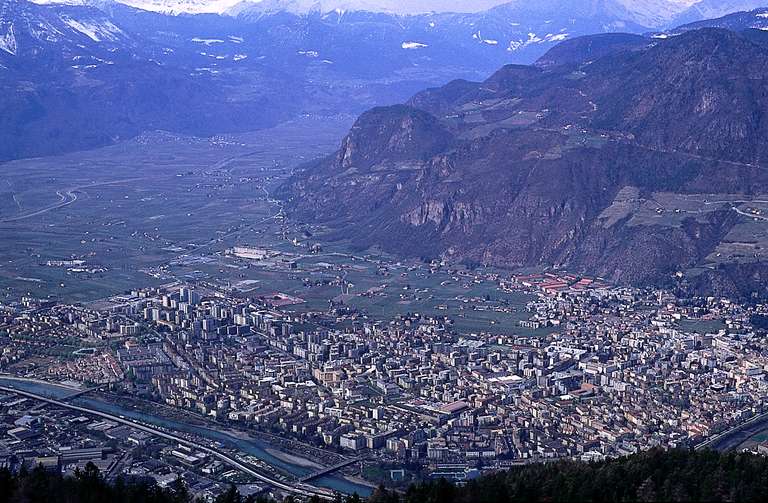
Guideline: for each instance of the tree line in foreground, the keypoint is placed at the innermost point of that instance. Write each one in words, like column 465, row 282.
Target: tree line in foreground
column 656, row 475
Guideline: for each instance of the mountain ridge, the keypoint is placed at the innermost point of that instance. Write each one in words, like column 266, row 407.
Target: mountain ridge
column 584, row 165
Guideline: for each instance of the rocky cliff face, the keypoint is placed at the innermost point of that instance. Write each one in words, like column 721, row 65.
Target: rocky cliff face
column 634, row 159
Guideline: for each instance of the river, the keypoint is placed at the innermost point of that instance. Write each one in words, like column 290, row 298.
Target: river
column 255, row 447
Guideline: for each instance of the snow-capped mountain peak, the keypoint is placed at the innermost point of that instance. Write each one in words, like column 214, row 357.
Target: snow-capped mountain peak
column 173, row 7
column 183, row 6
column 649, row 13
column 655, row 13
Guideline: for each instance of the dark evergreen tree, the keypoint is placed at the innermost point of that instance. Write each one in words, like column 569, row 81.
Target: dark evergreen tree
column 232, row 495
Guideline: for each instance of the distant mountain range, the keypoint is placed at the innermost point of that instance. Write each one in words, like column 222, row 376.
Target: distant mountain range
column 77, row 74
column 83, row 73
column 649, row 13
column 710, row 9
column 638, row 159
column 756, row 19
column 80, row 74
column 306, row 6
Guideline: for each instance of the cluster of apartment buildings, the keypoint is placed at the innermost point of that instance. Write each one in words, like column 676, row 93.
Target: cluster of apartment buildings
column 619, row 370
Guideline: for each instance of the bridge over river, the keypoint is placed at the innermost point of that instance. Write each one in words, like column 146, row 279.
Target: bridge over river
column 329, row 470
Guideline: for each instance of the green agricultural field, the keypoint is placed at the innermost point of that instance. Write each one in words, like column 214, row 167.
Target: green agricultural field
column 138, row 205
column 164, row 208
column 702, row 326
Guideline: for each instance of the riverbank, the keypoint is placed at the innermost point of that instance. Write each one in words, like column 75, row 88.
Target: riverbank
column 293, row 459
column 248, row 445
column 360, row 481
column 281, row 448
column 738, row 437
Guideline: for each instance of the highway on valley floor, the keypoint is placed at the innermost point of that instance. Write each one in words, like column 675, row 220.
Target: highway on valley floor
column 66, row 197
